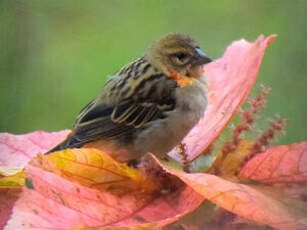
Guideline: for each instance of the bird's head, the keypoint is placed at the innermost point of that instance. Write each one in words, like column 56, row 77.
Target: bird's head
column 178, row 56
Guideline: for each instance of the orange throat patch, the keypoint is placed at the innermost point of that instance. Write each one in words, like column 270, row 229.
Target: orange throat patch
column 182, row 81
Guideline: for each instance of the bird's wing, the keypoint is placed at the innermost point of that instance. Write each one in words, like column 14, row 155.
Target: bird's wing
column 120, row 118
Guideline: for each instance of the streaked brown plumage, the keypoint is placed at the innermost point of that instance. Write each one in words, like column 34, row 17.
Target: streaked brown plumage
column 147, row 106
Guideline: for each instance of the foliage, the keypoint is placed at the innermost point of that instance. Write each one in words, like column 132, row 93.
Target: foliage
column 85, row 189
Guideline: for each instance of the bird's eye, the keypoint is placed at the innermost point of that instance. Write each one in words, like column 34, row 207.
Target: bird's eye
column 180, row 58
column 180, row 55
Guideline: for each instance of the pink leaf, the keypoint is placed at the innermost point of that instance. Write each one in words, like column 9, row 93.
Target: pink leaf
column 17, row 150
column 286, row 163
column 50, row 201
column 230, row 80
column 261, row 204
column 8, row 197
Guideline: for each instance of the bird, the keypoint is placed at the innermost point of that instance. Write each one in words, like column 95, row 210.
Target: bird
column 148, row 106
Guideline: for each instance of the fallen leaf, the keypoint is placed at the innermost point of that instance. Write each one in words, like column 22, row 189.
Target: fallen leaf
column 287, row 163
column 94, row 169
column 9, row 171
column 17, row 150
column 199, row 218
column 259, row 203
column 230, row 81
column 51, row 200
column 8, row 196
column 147, row 226
column 16, row 179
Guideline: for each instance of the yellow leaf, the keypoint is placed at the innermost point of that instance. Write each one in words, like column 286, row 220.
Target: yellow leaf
column 11, row 176
column 93, row 168
column 230, row 164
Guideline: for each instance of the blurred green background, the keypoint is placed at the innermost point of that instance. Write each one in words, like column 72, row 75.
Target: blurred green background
column 56, row 55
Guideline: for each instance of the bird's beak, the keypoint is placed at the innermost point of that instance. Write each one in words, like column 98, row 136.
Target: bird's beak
column 202, row 58
column 196, row 69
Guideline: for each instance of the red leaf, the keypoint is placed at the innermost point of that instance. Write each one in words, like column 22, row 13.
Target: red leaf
column 286, row 163
column 50, row 201
column 7, row 200
column 230, row 80
column 17, row 150
column 262, row 204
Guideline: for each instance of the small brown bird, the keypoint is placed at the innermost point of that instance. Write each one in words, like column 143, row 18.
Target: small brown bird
column 149, row 105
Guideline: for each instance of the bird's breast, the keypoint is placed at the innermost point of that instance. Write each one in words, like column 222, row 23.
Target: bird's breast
column 192, row 100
